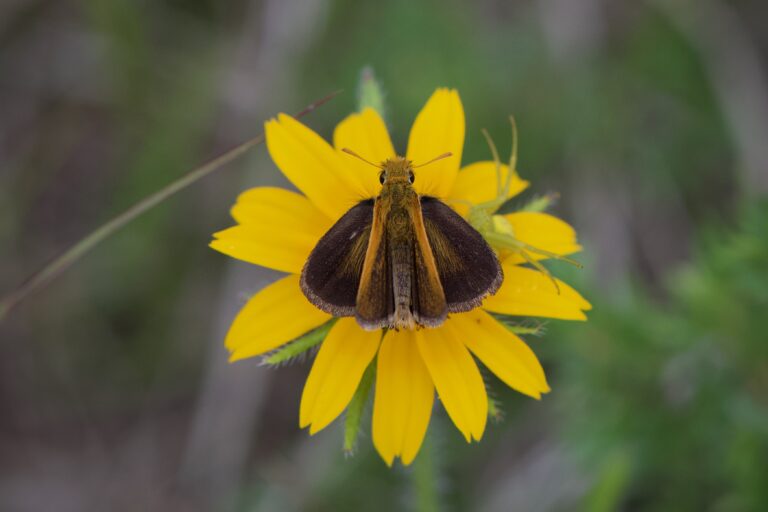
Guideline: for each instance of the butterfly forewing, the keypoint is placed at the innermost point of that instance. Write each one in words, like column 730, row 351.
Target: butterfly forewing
column 375, row 297
column 429, row 304
column 331, row 276
column 469, row 269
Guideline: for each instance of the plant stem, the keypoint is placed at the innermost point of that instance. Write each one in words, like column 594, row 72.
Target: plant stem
column 425, row 478
column 58, row 265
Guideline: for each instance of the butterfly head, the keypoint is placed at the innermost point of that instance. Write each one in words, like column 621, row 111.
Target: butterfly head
column 396, row 170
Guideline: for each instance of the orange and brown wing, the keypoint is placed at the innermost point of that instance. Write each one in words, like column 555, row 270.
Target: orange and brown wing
column 429, row 306
column 331, row 276
column 375, row 306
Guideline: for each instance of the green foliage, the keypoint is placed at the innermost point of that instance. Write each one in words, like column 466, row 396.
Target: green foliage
column 670, row 400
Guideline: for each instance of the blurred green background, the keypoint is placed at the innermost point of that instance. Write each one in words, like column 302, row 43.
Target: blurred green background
column 649, row 118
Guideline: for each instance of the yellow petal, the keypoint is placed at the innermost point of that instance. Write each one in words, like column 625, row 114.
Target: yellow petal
column 365, row 134
column 262, row 204
column 528, row 292
column 439, row 128
column 456, row 378
column 336, row 373
column 477, row 183
column 277, row 314
column 311, row 164
column 542, row 231
column 403, row 401
column 506, row 355
column 278, row 229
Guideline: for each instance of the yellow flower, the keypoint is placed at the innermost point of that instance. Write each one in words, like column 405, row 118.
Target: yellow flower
column 277, row 228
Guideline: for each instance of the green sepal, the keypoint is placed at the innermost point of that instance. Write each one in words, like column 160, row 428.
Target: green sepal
column 299, row 346
column 356, row 407
column 494, row 410
column 370, row 94
column 528, row 327
column 540, row 203
column 536, row 330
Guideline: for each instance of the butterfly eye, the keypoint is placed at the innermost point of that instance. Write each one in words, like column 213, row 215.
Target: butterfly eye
column 411, row 177
column 382, row 177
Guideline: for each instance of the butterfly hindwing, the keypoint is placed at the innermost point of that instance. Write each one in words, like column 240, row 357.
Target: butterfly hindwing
column 331, row 276
column 469, row 269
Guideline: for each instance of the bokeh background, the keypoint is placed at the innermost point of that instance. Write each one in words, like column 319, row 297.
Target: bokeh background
column 650, row 119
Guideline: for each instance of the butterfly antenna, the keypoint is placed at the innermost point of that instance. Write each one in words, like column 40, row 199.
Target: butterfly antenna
column 496, row 160
column 440, row 157
column 350, row 152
